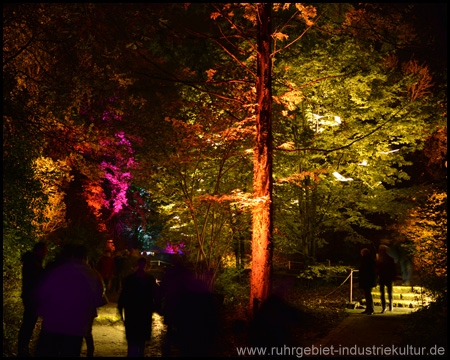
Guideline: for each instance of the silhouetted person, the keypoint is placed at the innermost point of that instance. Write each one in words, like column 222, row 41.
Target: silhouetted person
column 107, row 269
column 68, row 299
column 367, row 278
column 32, row 271
column 386, row 275
column 131, row 259
column 137, row 299
column 190, row 312
column 119, row 261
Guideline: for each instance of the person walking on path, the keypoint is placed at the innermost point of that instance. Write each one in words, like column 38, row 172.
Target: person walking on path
column 32, row 271
column 190, row 313
column 119, row 261
column 385, row 267
column 107, row 269
column 137, row 301
column 68, row 300
column 367, row 279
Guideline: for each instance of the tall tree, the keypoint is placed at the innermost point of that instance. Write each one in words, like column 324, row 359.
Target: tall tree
column 262, row 228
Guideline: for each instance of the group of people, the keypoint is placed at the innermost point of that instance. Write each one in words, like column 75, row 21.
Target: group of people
column 373, row 270
column 67, row 293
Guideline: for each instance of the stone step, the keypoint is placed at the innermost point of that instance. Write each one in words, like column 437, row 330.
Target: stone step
column 404, row 296
column 402, row 289
column 412, row 297
column 400, row 303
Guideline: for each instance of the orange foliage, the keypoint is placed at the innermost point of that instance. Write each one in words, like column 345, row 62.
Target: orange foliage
column 426, row 227
column 422, row 79
column 297, row 178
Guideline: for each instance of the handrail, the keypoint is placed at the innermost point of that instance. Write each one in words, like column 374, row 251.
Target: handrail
column 351, row 283
column 294, row 262
column 159, row 262
column 349, row 276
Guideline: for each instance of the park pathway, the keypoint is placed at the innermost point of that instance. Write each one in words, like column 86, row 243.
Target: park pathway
column 367, row 335
column 357, row 329
column 357, row 332
column 109, row 334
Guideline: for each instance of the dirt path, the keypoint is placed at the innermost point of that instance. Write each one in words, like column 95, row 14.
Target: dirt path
column 109, row 341
column 369, row 333
column 109, row 336
column 356, row 330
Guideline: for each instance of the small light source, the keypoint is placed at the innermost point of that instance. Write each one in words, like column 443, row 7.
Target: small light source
column 340, row 177
column 337, row 121
column 388, row 152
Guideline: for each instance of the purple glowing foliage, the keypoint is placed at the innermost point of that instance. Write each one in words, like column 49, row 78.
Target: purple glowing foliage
column 119, row 183
column 116, row 169
column 174, row 248
column 119, row 152
column 109, row 117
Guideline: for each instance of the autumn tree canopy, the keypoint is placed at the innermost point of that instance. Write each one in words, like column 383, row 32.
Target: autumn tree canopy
column 222, row 126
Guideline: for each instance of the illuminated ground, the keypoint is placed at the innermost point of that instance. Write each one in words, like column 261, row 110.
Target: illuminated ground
column 363, row 330
column 351, row 329
column 109, row 337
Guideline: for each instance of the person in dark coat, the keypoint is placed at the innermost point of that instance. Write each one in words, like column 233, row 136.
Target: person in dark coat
column 386, row 275
column 32, row 271
column 69, row 296
column 137, row 301
column 367, row 278
column 190, row 312
column 119, row 260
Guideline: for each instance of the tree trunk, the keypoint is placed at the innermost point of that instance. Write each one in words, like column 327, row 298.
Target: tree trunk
column 262, row 246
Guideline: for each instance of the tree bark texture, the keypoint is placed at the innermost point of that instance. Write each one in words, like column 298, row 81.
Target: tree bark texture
column 262, row 244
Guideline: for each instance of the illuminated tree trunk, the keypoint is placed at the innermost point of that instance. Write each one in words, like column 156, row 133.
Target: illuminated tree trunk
column 262, row 246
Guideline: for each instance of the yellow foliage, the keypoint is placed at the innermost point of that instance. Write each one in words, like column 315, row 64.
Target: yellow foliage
column 51, row 175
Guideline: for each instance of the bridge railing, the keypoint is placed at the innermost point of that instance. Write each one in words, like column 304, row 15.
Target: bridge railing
column 159, row 262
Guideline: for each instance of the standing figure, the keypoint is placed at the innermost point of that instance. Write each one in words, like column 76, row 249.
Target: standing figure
column 68, row 300
column 190, row 313
column 386, row 275
column 367, row 279
column 137, row 299
column 119, row 261
column 130, row 265
column 32, row 271
column 107, row 269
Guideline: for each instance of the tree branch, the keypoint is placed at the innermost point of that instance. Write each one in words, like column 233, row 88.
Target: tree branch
column 301, row 35
column 171, row 77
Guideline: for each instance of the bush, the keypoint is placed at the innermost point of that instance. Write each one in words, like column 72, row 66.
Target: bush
column 233, row 284
column 323, row 273
column 13, row 248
